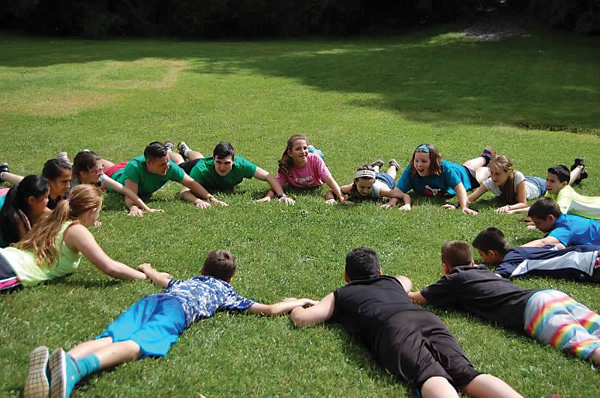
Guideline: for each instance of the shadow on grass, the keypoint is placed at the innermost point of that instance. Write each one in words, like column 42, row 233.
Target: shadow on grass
column 544, row 81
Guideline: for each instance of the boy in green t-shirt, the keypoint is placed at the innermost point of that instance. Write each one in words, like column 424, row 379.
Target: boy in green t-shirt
column 146, row 174
column 222, row 171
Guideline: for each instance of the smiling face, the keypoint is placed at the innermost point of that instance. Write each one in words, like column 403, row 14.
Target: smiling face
column 498, row 175
column 553, row 184
column 223, row 165
column 92, row 176
column 299, row 153
column 364, row 186
column 59, row 186
column 158, row 166
column 422, row 163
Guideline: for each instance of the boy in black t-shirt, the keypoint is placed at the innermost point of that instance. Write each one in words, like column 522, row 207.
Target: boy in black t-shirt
column 411, row 343
column 547, row 315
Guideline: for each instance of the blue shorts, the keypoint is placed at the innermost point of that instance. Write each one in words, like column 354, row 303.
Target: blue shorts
column 386, row 179
column 154, row 323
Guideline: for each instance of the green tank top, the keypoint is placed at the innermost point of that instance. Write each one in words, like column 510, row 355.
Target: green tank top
column 30, row 274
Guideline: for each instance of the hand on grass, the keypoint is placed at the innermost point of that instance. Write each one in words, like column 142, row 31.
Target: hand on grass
column 97, row 224
column 201, row 204
column 263, row 200
column 503, row 210
column 150, row 210
column 449, row 206
column 330, row 201
column 472, row 212
column 287, row 201
column 135, row 211
column 217, row 201
column 406, row 207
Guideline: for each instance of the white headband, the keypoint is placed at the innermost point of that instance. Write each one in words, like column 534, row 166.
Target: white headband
column 364, row 174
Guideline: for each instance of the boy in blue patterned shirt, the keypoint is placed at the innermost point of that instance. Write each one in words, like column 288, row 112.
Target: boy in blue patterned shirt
column 149, row 327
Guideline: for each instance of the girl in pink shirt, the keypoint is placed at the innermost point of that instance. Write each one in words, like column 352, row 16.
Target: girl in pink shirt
column 302, row 169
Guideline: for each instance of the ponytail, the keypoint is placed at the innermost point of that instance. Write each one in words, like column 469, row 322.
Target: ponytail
column 15, row 211
column 42, row 238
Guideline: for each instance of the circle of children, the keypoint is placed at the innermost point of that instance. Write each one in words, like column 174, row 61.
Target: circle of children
column 44, row 234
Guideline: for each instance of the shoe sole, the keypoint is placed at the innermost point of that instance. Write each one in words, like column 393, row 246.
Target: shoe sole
column 36, row 384
column 58, row 374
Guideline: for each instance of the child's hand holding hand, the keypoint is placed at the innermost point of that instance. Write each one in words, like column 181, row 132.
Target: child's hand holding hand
column 144, row 267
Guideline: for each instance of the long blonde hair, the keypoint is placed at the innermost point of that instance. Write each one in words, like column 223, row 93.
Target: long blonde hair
column 509, row 190
column 286, row 163
column 41, row 239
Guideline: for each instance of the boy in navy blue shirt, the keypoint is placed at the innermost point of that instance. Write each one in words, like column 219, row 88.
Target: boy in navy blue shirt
column 149, row 327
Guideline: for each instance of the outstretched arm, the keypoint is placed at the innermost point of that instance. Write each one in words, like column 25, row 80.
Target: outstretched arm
column 159, row 278
column 319, row 313
column 335, row 188
column 417, row 297
column 394, row 195
column 461, row 194
column 548, row 240
column 477, row 194
column 79, row 239
column 195, row 192
column 134, row 210
column 276, row 189
column 282, row 307
column 521, row 200
column 132, row 196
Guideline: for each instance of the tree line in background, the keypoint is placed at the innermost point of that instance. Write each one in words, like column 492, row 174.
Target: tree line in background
column 273, row 18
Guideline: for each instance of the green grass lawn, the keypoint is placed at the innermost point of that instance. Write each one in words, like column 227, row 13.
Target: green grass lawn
column 358, row 100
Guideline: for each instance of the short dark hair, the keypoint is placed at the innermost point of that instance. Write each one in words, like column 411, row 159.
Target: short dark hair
column 456, row 252
column 491, row 239
column 543, row 208
column 155, row 150
column 220, row 264
column 84, row 161
column 54, row 168
column 362, row 263
column 561, row 172
column 223, row 149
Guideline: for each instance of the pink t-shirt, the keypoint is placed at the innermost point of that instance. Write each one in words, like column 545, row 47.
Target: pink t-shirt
column 312, row 175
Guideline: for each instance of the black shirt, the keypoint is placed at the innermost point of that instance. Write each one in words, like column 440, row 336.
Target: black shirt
column 480, row 291
column 364, row 306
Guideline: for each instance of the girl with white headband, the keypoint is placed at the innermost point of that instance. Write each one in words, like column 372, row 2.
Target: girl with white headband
column 369, row 183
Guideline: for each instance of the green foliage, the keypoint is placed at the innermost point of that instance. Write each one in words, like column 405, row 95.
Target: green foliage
column 358, row 100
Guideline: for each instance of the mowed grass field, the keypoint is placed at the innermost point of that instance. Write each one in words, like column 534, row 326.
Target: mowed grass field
column 534, row 98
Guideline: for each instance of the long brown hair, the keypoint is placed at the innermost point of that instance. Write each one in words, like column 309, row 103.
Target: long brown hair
column 42, row 238
column 509, row 190
column 435, row 159
column 286, row 162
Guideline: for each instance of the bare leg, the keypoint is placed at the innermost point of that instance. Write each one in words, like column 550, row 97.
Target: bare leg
column 392, row 172
column 175, row 157
column 193, row 155
column 595, row 357
column 488, row 386
column 11, row 178
column 117, row 353
column 477, row 164
column 89, row 347
column 438, row 386
column 376, row 169
column 575, row 173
